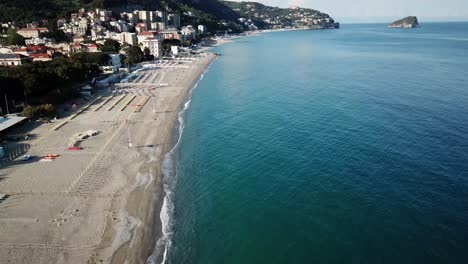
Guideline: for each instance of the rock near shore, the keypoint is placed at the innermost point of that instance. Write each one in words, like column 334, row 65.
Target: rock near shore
column 407, row 22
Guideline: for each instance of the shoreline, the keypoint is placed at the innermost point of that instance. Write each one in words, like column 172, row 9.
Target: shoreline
column 153, row 203
column 158, row 255
column 170, row 177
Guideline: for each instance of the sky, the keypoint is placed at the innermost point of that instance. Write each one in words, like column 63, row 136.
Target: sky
column 382, row 10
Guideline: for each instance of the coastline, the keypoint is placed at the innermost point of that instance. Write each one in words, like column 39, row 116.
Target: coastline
column 147, row 206
column 101, row 204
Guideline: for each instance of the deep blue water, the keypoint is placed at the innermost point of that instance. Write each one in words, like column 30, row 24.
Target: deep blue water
column 340, row 146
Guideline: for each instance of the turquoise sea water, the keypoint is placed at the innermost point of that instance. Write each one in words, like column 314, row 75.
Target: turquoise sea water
column 343, row 146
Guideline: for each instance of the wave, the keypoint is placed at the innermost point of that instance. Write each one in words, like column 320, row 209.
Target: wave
column 164, row 243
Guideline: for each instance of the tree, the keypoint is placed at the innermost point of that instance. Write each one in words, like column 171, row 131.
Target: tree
column 135, row 55
column 45, row 110
column 123, row 59
column 147, row 53
column 111, row 45
column 167, row 43
column 186, row 43
column 14, row 38
column 54, row 31
column 28, row 112
column 99, row 58
column 173, row 42
column 49, row 82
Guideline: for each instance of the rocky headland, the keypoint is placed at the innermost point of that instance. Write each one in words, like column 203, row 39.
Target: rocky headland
column 407, row 22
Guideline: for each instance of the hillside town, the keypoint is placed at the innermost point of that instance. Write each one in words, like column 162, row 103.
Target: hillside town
column 87, row 31
column 154, row 32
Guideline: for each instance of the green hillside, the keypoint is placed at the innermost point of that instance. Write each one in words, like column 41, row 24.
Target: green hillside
column 282, row 17
column 25, row 11
column 212, row 7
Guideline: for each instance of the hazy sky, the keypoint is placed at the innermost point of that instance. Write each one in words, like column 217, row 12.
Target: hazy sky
column 373, row 9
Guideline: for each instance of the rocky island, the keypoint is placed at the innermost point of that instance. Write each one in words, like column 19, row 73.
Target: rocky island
column 407, row 22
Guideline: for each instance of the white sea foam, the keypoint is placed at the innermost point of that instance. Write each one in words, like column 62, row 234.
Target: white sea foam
column 163, row 245
column 150, row 179
column 125, row 229
column 142, row 180
column 152, row 153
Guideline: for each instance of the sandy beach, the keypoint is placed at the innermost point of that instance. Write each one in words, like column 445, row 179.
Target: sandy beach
column 100, row 204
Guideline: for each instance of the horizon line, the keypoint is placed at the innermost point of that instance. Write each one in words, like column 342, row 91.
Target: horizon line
column 364, row 20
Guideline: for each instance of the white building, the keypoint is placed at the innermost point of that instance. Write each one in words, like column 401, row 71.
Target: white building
column 38, row 41
column 175, row 50
column 161, row 16
column 158, row 26
column 104, row 15
column 13, row 60
column 143, row 15
column 79, row 30
column 124, row 38
column 188, row 32
column 97, row 32
column 119, row 26
column 5, row 50
column 129, row 38
column 130, row 17
column 29, row 32
column 202, row 29
column 154, row 46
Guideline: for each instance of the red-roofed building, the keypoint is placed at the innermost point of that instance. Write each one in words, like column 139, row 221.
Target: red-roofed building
column 147, row 33
column 92, row 47
column 40, row 57
column 79, row 39
column 171, row 34
column 77, row 47
column 37, row 48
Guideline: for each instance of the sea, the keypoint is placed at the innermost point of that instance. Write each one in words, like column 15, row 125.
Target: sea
column 332, row 146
